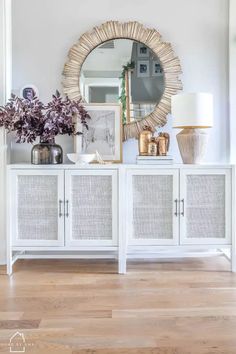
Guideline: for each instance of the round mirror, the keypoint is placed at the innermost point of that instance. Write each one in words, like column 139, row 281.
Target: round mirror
column 123, row 71
column 126, row 63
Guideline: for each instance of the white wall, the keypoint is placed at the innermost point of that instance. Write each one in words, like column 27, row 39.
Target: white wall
column 2, row 135
column 5, row 88
column 43, row 32
column 232, row 47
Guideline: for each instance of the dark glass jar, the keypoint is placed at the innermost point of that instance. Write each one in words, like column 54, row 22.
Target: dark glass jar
column 46, row 153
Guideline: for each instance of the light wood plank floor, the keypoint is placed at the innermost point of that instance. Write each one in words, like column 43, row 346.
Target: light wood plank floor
column 176, row 307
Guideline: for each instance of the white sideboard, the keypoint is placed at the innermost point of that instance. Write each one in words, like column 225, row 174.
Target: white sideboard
column 119, row 211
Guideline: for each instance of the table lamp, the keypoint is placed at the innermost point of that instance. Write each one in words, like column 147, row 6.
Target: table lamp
column 192, row 112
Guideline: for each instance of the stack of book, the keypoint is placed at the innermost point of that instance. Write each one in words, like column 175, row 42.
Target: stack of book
column 154, row 160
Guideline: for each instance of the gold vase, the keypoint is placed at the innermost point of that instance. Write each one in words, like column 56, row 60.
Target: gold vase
column 144, row 138
column 162, row 150
column 152, row 147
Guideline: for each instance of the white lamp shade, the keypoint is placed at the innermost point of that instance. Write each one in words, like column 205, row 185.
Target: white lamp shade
column 192, row 110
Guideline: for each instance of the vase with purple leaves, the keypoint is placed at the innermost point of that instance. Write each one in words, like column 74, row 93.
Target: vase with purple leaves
column 31, row 119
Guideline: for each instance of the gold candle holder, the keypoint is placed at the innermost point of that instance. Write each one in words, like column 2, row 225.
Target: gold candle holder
column 163, row 142
column 152, row 147
column 144, row 138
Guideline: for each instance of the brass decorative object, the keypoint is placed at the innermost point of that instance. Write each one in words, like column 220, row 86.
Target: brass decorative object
column 162, row 151
column 167, row 140
column 135, row 31
column 152, row 147
column 100, row 159
column 144, row 139
column 163, row 143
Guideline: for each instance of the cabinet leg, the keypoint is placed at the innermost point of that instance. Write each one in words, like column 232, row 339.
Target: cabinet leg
column 233, row 260
column 122, row 222
column 9, row 266
column 9, row 257
column 122, row 264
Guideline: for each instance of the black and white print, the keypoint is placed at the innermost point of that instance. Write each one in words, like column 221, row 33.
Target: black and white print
column 104, row 133
column 156, row 68
column 143, row 68
column 143, row 51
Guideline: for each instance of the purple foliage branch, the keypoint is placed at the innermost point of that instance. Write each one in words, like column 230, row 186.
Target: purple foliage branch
column 30, row 119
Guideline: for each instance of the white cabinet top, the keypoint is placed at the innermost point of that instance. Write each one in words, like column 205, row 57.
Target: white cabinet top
column 115, row 166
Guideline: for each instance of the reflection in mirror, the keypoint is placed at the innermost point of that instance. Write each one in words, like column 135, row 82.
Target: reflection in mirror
column 124, row 71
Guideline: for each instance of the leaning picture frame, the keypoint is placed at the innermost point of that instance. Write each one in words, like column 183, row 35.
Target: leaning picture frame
column 29, row 92
column 143, row 51
column 156, row 68
column 104, row 133
column 143, row 69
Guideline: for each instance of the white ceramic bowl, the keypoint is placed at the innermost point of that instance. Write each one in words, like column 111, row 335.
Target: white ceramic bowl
column 81, row 158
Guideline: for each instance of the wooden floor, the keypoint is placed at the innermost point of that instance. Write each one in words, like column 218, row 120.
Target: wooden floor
column 181, row 307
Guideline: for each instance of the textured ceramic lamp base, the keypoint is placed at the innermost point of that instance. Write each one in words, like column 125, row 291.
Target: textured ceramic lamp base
column 192, row 145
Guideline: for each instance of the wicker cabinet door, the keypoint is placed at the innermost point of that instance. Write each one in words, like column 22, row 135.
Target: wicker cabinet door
column 91, row 208
column 205, row 213
column 153, row 207
column 36, row 208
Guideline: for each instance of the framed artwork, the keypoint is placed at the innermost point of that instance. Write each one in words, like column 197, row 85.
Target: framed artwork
column 143, row 68
column 156, row 68
column 29, row 91
column 105, row 132
column 142, row 51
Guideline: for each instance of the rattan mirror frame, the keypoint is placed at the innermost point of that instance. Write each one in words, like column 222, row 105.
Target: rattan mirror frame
column 135, row 31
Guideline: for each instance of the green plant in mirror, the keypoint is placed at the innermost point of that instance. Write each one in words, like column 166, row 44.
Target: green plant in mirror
column 123, row 97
